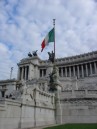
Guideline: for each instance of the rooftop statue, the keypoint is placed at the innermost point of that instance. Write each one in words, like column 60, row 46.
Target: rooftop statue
column 35, row 53
column 51, row 56
column 29, row 54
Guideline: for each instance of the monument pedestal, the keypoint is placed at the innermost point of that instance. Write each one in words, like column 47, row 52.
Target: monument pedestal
column 58, row 105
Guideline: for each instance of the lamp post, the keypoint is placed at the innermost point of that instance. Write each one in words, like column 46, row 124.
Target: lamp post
column 11, row 72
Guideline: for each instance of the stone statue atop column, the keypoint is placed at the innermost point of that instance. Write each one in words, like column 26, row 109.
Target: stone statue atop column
column 51, row 56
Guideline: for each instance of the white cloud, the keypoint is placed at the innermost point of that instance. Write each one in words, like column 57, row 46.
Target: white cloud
column 24, row 24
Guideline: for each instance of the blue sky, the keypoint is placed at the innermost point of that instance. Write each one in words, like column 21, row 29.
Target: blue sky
column 25, row 23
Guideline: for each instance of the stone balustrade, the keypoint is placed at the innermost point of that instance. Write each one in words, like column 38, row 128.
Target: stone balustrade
column 78, row 93
column 43, row 96
column 92, row 92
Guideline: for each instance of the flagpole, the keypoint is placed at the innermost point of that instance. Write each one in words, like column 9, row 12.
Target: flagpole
column 54, row 37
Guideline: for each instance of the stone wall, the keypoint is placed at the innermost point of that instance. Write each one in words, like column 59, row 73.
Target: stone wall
column 89, row 83
column 77, row 107
column 10, row 112
column 24, row 113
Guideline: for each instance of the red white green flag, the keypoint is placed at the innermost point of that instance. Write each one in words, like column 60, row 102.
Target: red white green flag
column 49, row 38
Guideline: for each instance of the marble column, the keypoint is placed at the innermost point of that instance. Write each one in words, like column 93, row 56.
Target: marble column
column 61, row 71
column 22, row 73
column 74, row 71
column 25, row 72
column 86, row 69
column 95, row 67
column 78, row 71
column 82, row 70
column 19, row 74
column 29, row 75
column 70, row 71
column 90, row 68
column 66, row 71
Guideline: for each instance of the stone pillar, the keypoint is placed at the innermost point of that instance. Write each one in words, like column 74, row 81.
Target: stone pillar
column 86, row 70
column 70, row 71
column 61, row 71
column 37, row 72
column 90, row 68
column 19, row 74
column 66, row 71
column 29, row 74
column 82, row 70
column 74, row 70
column 22, row 73
column 25, row 72
column 78, row 71
column 59, row 109
column 95, row 67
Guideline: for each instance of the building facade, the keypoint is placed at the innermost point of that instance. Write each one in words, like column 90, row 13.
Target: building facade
column 76, row 72
column 27, row 102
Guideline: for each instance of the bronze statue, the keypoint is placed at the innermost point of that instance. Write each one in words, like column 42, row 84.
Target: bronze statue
column 51, row 78
column 51, row 56
column 29, row 54
column 35, row 53
column 53, row 82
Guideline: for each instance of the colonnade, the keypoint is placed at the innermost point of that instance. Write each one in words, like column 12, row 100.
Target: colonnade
column 79, row 70
column 23, row 72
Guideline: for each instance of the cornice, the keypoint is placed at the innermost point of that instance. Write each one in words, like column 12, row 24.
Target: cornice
column 73, row 59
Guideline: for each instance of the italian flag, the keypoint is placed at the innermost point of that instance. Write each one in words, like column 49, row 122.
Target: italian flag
column 49, row 38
